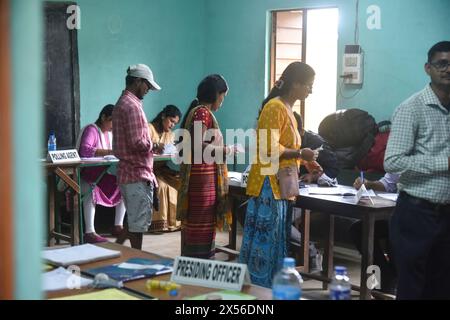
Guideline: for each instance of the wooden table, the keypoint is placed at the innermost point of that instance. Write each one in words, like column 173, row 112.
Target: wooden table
column 382, row 209
column 139, row 285
column 70, row 173
column 333, row 206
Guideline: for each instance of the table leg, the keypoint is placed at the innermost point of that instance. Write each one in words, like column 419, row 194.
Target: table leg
column 75, row 225
column 329, row 248
column 367, row 253
column 51, row 210
column 304, row 231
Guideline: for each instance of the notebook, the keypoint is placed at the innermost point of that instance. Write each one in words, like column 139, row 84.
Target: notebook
column 134, row 268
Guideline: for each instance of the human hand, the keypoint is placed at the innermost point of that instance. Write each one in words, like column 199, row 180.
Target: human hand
column 238, row 148
column 309, row 155
column 358, row 183
column 158, row 148
column 234, row 149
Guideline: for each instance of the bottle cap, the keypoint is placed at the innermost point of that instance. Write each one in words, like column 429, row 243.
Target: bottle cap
column 289, row 262
column 340, row 269
column 173, row 292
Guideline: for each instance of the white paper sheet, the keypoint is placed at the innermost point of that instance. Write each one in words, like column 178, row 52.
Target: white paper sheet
column 388, row 196
column 61, row 279
column 136, row 266
column 78, row 254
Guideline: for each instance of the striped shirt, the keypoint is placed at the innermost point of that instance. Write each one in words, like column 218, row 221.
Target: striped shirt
column 419, row 146
column 132, row 143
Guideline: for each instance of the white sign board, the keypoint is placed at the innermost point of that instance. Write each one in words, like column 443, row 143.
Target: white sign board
column 362, row 192
column 210, row 273
column 64, row 156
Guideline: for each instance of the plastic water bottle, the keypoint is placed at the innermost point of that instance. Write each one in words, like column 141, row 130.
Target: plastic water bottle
column 340, row 287
column 51, row 144
column 287, row 282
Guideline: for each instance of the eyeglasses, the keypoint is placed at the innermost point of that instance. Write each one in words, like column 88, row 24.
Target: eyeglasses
column 147, row 83
column 441, row 65
column 309, row 86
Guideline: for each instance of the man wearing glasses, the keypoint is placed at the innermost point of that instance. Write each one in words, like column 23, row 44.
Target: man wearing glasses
column 418, row 149
column 133, row 146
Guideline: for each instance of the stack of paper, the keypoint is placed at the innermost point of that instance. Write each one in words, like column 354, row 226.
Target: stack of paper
column 62, row 279
column 78, row 254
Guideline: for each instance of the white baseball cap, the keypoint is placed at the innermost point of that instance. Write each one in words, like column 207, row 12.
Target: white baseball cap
column 143, row 71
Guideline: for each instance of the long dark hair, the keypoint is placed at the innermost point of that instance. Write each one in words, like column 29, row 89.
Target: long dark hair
column 207, row 92
column 296, row 72
column 106, row 111
column 169, row 111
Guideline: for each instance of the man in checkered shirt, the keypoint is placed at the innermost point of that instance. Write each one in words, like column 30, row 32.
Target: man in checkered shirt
column 418, row 149
column 133, row 146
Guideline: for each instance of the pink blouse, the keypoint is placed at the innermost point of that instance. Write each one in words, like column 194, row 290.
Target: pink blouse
column 106, row 192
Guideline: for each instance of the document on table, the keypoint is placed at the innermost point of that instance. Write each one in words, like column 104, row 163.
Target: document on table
column 339, row 191
column 107, row 294
column 78, row 254
column 388, row 196
column 235, row 178
column 61, row 279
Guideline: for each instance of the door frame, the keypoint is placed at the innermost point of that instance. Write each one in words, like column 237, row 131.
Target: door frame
column 6, row 200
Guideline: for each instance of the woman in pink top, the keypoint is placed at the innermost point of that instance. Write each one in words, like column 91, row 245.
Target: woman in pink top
column 96, row 141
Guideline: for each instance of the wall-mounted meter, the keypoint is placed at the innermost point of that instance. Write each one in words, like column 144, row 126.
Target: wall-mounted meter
column 352, row 72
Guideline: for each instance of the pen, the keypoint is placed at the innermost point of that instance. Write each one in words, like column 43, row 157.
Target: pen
column 362, row 177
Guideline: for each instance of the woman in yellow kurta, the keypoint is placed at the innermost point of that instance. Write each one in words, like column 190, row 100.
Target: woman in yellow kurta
column 165, row 219
column 268, row 218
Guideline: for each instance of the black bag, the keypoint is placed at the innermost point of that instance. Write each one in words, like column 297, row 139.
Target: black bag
column 349, row 127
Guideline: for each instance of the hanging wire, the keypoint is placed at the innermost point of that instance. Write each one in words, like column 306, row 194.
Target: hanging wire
column 356, row 39
column 347, row 97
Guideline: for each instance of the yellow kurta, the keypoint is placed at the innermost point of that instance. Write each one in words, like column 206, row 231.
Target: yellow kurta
column 166, row 218
column 165, row 138
column 276, row 120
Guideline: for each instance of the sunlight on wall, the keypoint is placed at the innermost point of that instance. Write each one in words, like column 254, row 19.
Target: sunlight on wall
column 321, row 54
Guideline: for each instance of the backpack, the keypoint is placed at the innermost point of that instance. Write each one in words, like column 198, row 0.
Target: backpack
column 349, row 127
column 374, row 159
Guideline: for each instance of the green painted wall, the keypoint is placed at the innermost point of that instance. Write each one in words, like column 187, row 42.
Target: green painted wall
column 29, row 180
column 168, row 35
column 394, row 56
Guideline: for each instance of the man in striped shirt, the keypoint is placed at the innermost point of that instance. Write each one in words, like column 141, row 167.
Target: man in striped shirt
column 418, row 149
column 133, row 146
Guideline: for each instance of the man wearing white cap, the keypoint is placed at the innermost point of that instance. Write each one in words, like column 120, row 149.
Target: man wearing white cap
column 133, row 146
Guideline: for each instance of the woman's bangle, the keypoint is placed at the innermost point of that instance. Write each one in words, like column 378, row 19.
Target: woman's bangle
column 300, row 153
